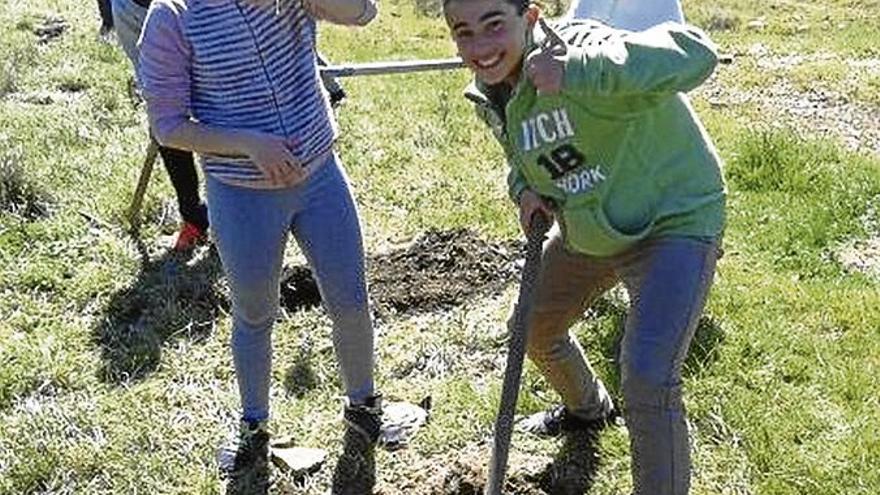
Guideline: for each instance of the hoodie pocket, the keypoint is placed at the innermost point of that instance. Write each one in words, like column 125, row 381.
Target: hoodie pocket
column 587, row 230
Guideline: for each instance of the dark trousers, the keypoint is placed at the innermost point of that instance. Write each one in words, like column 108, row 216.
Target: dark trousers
column 185, row 180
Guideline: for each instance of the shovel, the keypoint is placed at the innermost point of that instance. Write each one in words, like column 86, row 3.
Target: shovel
column 515, row 354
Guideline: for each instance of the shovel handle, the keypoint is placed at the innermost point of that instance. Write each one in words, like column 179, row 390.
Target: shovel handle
column 137, row 200
column 515, row 354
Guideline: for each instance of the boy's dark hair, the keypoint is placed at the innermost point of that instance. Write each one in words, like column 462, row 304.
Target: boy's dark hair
column 520, row 5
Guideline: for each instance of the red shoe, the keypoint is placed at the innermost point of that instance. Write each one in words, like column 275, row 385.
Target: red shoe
column 189, row 237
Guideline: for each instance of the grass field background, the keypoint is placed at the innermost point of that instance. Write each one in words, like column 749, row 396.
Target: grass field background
column 783, row 384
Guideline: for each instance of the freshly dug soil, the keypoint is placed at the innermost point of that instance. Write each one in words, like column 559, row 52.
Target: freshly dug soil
column 439, row 270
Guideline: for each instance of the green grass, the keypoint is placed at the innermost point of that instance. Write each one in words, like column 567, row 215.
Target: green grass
column 825, row 45
column 782, row 381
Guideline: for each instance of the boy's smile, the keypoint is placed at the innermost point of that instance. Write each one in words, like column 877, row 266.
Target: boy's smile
column 490, row 37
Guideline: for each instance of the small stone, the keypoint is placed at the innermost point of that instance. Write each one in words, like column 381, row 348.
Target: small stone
column 758, row 50
column 298, row 461
column 757, row 24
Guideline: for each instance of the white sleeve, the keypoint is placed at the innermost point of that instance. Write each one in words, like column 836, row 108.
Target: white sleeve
column 632, row 15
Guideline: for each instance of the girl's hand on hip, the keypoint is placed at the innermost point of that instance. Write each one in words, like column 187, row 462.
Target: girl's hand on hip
column 529, row 204
column 272, row 156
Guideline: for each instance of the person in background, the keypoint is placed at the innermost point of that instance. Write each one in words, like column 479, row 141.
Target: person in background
column 106, row 13
column 633, row 15
column 128, row 19
column 127, row 16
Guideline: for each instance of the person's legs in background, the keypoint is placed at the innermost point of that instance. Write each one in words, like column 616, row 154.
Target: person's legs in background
column 193, row 211
column 106, row 12
column 128, row 18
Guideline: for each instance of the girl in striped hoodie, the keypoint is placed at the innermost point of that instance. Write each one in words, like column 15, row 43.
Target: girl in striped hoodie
column 236, row 82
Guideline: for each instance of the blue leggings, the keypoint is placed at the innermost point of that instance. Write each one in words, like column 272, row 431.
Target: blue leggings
column 251, row 228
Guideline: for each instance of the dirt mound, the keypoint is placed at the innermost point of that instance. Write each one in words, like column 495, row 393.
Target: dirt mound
column 439, row 270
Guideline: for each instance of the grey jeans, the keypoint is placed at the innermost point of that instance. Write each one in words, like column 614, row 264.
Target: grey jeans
column 128, row 19
column 668, row 280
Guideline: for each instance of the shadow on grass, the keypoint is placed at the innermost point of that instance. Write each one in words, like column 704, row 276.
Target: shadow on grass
column 179, row 295
column 176, row 295
column 300, row 378
column 574, row 465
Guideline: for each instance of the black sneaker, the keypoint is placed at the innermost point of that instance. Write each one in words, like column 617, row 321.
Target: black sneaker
column 245, row 462
column 355, row 472
column 557, row 420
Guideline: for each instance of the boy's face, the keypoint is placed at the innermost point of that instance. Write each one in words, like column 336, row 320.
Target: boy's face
column 490, row 36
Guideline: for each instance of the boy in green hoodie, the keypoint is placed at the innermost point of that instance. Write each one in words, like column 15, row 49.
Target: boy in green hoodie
column 599, row 136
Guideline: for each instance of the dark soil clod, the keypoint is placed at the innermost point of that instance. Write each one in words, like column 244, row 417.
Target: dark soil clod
column 299, row 289
column 50, row 28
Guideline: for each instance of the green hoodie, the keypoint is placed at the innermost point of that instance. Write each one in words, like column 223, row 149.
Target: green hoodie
column 619, row 151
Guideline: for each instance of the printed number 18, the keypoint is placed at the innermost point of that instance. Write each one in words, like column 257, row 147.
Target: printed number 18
column 562, row 160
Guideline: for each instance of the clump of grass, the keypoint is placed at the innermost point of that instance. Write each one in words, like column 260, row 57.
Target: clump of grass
column 782, row 160
column 722, row 20
column 17, row 55
column 809, row 194
column 429, row 8
column 8, row 83
column 73, row 85
column 19, row 193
